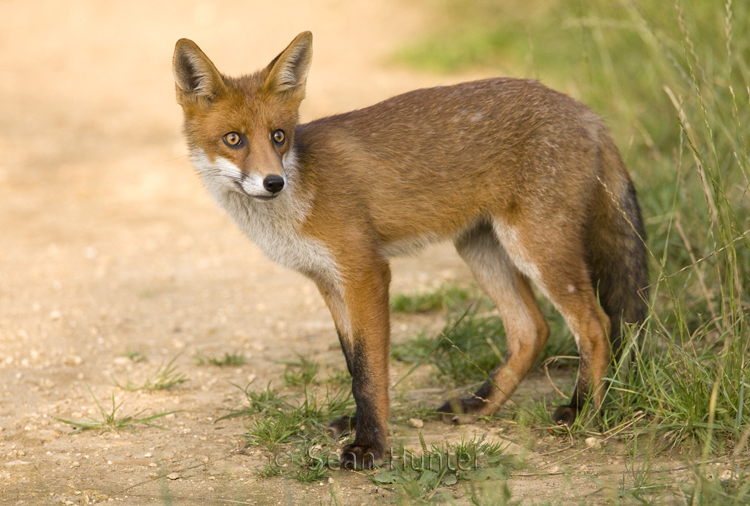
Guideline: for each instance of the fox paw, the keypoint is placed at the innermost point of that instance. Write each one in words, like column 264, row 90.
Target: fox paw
column 360, row 457
column 342, row 426
column 460, row 411
column 565, row 415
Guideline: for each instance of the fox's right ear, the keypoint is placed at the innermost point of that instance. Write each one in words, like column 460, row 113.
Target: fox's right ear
column 197, row 79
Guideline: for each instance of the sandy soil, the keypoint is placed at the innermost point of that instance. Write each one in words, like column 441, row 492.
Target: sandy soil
column 109, row 245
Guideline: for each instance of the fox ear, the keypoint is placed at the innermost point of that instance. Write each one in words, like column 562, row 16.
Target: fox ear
column 288, row 71
column 194, row 74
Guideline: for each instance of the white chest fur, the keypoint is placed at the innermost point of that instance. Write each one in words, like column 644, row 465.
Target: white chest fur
column 273, row 225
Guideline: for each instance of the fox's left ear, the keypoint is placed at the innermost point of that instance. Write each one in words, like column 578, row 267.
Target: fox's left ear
column 287, row 73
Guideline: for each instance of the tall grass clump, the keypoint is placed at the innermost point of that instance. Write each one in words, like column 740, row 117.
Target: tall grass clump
column 692, row 381
column 671, row 80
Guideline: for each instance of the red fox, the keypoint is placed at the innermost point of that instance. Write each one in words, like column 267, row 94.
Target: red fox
column 524, row 180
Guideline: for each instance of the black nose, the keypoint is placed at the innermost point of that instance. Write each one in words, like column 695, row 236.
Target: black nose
column 273, row 183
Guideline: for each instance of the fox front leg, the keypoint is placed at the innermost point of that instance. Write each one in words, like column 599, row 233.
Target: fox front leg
column 361, row 313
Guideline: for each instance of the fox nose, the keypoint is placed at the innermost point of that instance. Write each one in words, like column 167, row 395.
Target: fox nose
column 273, row 183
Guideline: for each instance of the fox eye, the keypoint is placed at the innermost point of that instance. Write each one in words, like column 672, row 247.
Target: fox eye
column 279, row 137
column 233, row 140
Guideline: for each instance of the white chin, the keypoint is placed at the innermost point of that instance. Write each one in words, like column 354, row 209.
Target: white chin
column 263, row 198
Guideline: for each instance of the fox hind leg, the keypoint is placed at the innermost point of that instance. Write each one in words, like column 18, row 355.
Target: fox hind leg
column 555, row 262
column 525, row 327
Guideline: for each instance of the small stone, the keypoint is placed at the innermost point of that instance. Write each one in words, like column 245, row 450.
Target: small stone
column 415, row 423
column 152, row 464
column 73, row 361
column 726, row 475
column 75, row 464
column 554, row 469
column 592, row 442
column 173, row 476
column 330, row 479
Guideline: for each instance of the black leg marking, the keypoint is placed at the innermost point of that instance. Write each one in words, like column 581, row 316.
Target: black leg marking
column 369, row 442
column 462, row 411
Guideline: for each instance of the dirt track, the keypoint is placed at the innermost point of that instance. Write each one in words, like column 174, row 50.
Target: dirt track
column 109, row 244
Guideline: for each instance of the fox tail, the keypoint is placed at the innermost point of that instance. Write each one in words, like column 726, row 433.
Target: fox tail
column 616, row 250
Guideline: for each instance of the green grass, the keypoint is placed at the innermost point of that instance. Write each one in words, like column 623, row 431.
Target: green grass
column 233, row 359
column 301, row 372
column 112, row 419
column 292, row 427
column 443, row 297
column 135, row 356
column 425, row 476
column 671, row 80
column 165, row 377
column 263, row 401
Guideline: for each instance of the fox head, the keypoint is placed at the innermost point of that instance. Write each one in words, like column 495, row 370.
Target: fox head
column 240, row 131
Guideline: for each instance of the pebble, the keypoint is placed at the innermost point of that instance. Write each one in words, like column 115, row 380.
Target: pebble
column 173, row 476
column 593, row 442
column 73, row 361
column 415, row 423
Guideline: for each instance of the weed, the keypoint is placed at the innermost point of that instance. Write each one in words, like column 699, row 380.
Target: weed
column 228, row 359
column 110, row 420
column 427, row 476
column 295, row 432
column 300, row 373
column 312, row 468
column 135, row 356
column 266, row 400
column 165, row 378
column 275, row 429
